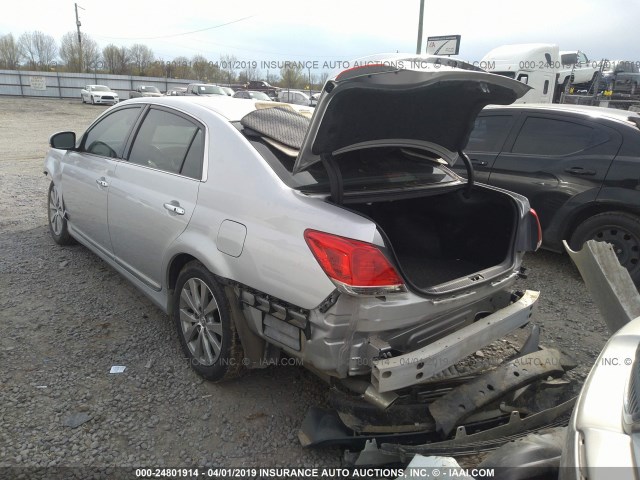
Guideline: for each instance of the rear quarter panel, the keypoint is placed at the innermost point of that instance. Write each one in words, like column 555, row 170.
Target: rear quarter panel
column 275, row 258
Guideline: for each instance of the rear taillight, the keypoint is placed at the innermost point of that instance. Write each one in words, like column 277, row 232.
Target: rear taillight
column 537, row 228
column 530, row 233
column 358, row 267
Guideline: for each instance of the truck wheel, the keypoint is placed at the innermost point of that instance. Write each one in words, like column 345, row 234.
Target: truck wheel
column 621, row 230
column 203, row 320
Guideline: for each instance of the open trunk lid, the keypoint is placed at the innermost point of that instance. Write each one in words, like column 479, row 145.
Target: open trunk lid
column 420, row 103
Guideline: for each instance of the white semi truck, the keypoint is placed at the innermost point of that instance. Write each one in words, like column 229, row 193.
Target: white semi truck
column 543, row 67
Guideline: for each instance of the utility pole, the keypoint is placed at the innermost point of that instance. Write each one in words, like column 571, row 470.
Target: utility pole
column 78, row 24
column 419, row 45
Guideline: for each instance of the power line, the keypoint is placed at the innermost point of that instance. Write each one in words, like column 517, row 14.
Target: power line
column 179, row 34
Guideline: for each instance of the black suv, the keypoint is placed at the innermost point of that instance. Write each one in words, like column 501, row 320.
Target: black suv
column 578, row 166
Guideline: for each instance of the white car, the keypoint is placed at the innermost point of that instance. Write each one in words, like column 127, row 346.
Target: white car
column 295, row 97
column 98, row 94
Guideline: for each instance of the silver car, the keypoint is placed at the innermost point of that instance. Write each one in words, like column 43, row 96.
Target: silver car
column 343, row 240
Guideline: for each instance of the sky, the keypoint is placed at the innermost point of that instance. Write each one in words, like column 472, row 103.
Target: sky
column 331, row 31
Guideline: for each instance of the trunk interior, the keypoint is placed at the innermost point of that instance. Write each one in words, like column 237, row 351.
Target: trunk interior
column 441, row 238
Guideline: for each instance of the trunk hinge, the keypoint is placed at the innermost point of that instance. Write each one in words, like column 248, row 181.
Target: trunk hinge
column 335, row 177
column 470, row 173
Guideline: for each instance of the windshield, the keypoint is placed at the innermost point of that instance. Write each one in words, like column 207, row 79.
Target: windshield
column 259, row 96
column 150, row 89
column 100, row 88
column 210, row 90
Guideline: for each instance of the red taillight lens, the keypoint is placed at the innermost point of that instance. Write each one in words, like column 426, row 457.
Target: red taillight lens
column 352, row 262
column 535, row 215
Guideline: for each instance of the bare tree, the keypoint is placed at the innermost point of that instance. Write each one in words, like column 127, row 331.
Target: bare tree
column 324, row 76
column 78, row 60
column 38, row 49
column 272, row 78
column 227, row 65
column 141, row 58
column 10, row 55
column 292, row 76
column 181, row 68
column 116, row 59
column 90, row 53
column 251, row 73
column 314, row 82
column 199, row 65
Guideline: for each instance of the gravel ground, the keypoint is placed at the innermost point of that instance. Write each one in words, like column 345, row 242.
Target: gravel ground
column 66, row 318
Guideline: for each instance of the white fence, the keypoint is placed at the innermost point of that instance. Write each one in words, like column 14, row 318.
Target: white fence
column 68, row 85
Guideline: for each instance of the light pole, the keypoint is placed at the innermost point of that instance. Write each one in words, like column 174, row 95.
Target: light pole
column 419, row 45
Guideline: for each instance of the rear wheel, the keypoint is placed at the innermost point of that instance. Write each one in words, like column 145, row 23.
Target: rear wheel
column 203, row 320
column 621, row 230
column 57, row 221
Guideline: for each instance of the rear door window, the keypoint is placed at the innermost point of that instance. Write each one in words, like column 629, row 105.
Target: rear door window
column 169, row 142
column 546, row 136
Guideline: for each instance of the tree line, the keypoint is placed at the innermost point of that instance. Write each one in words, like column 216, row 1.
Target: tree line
column 41, row 52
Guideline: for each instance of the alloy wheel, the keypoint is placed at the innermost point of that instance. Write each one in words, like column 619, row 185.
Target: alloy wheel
column 56, row 212
column 200, row 321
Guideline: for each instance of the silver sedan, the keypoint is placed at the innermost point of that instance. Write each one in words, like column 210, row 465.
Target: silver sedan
column 343, row 240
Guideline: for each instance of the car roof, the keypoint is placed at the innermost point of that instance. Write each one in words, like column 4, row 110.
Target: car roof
column 233, row 109
column 615, row 114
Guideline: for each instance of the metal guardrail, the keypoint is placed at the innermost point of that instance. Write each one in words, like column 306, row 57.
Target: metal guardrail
column 68, row 85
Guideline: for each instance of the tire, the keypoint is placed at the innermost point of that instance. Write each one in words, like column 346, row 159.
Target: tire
column 620, row 229
column 93, row 101
column 55, row 213
column 207, row 335
column 82, row 98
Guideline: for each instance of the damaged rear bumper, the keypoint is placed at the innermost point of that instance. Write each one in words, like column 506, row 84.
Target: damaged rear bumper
column 402, row 371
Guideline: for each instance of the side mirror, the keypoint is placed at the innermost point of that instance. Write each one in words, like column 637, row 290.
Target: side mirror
column 63, row 140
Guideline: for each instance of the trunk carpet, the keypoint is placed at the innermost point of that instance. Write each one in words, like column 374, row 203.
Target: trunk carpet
column 428, row 272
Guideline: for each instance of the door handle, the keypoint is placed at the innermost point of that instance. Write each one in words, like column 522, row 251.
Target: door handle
column 479, row 163
column 579, row 171
column 178, row 210
column 102, row 182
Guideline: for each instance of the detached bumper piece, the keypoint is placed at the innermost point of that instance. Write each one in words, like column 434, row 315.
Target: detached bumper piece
column 414, row 367
column 467, row 414
column 458, row 404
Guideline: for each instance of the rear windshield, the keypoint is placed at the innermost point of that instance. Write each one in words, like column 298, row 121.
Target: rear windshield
column 372, row 169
